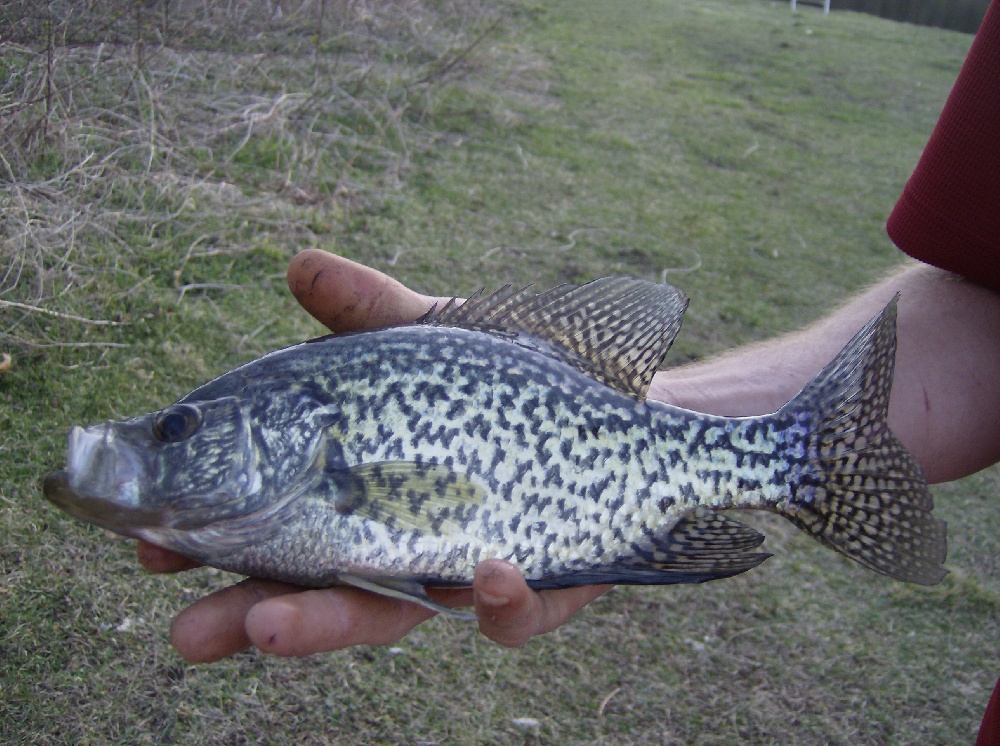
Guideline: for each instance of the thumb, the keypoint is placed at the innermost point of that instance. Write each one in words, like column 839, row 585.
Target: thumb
column 510, row 613
column 347, row 296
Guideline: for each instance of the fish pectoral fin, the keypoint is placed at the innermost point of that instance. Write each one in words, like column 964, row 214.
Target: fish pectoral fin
column 702, row 546
column 428, row 498
column 615, row 329
column 404, row 590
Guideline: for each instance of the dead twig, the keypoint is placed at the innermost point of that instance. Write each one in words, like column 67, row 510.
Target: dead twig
column 608, row 698
column 446, row 66
column 68, row 316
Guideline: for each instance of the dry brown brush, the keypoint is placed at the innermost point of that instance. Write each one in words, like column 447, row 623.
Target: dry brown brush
column 139, row 137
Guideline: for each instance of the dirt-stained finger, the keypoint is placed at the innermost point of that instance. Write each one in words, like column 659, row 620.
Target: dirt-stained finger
column 347, row 296
column 510, row 613
column 215, row 626
column 330, row 619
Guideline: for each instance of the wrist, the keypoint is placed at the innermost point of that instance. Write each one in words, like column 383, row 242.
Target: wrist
column 721, row 388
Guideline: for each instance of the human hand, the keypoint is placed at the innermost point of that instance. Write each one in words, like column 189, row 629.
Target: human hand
column 285, row 620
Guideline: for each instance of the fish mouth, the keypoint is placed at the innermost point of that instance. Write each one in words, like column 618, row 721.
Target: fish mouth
column 105, row 512
column 100, row 483
column 110, row 482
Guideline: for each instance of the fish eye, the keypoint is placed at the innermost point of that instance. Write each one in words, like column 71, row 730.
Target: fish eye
column 176, row 423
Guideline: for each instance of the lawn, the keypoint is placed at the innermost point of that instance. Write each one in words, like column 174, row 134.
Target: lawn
column 161, row 163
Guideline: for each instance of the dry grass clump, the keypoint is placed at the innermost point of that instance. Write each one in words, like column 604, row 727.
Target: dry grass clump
column 138, row 137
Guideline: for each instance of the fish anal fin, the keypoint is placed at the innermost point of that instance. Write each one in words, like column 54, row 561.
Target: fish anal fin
column 706, row 542
column 702, row 546
column 707, row 531
column 616, row 329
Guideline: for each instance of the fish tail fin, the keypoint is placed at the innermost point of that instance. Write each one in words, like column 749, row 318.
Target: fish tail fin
column 860, row 491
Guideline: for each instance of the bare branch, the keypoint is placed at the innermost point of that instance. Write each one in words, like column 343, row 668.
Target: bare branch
column 68, row 316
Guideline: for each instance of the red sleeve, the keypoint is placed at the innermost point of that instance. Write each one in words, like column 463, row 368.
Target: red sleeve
column 949, row 213
column 989, row 732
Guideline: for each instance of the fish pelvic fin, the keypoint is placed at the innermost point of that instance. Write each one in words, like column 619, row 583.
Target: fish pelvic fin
column 403, row 590
column 860, row 492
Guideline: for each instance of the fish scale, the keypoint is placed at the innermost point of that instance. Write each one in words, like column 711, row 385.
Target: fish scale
column 514, row 426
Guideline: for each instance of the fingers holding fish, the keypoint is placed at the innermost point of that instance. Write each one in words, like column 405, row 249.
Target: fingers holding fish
column 347, row 296
column 159, row 560
column 214, row 627
column 283, row 620
column 319, row 621
column 510, row 613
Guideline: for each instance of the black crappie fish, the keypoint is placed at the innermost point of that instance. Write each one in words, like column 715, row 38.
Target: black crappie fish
column 516, row 426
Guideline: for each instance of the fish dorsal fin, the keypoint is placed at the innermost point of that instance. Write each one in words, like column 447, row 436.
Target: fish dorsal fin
column 616, row 329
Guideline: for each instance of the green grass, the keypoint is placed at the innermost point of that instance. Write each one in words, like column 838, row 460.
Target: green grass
column 746, row 153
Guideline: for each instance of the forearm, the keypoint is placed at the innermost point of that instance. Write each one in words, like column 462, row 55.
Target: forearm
column 945, row 404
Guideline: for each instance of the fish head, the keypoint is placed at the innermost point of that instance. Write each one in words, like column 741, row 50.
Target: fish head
column 163, row 475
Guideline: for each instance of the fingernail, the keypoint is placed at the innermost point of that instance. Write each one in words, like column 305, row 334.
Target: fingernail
column 488, row 599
